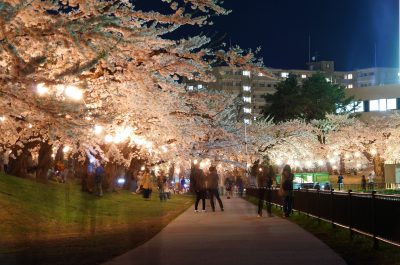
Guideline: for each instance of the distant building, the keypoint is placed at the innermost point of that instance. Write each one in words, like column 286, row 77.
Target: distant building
column 365, row 84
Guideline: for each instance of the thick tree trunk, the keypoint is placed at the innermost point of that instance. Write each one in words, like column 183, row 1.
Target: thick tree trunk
column 44, row 161
column 18, row 166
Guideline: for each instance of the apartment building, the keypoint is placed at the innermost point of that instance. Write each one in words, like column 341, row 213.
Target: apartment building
column 365, row 84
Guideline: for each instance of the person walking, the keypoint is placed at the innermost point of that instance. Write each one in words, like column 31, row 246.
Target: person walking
column 371, row 181
column 262, row 185
column 340, row 181
column 199, row 187
column 286, row 190
column 363, row 183
column 213, row 180
column 270, row 182
column 147, row 184
column 98, row 179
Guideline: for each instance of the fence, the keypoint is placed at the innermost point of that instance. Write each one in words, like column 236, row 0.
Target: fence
column 377, row 216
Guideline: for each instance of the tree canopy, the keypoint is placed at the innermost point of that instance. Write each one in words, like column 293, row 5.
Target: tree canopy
column 314, row 98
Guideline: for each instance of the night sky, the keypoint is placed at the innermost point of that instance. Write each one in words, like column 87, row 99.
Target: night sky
column 345, row 31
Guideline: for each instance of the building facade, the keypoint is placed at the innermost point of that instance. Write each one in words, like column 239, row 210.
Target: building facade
column 370, row 86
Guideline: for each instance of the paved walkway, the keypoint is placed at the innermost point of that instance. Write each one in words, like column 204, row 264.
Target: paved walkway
column 235, row 236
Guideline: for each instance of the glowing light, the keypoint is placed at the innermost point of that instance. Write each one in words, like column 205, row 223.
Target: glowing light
column 357, row 154
column 142, row 168
column 88, row 118
column 332, row 161
column 164, row 149
column 30, row 126
column 309, row 164
column 260, row 169
column 121, row 181
column 347, row 156
column 41, row 89
column 2, row 119
column 374, row 152
column 53, row 155
column 73, row 93
column 334, row 167
column 108, row 138
column 195, row 162
column 296, row 163
column 98, row 129
column 320, row 162
column 336, row 153
column 178, row 171
column 66, row 149
column 279, row 162
column 358, row 165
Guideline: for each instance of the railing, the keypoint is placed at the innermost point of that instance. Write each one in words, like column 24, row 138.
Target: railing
column 377, row 216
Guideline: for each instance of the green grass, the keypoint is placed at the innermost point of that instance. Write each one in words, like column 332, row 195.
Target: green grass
column 356, row 251
column 59, row 224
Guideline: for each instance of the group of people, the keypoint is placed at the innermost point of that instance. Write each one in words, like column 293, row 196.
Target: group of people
column 265, row 180
column 203, row 184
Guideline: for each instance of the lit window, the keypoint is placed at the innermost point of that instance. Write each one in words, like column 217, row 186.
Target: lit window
column 247, row 121
column 391, row 103
column 255, row 118
column 360, row 107
column 246, row 73
column 350, row 86
column 247, row 99
column 190, row 88
column 350, row 76
column 247, row 110
column 284, row 75
column 304, row 76
column 382, row 105
column 200, row 86
column 246, row 88
column 374, row 105
column 345, row 77
column 260, row 74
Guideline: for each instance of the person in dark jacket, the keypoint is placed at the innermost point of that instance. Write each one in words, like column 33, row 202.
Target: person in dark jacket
column 269, row 183
column 199, row 187
column 261, row 185
column 286, row 190
column 213, row 180
column 98, row 179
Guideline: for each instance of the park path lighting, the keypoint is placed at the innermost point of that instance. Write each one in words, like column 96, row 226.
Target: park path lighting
column 41, row 89
column 66, row 149
column 108, row 138
column 98, row 129
column 73, row 93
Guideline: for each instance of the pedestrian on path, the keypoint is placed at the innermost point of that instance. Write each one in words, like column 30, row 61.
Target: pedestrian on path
column 213, row 180
column 363, row 183
column 98, row 180
column 199, row 187
column 286, row 190
column 340, row 181
column 147, row 184
column 262, row 185
column 270, row 182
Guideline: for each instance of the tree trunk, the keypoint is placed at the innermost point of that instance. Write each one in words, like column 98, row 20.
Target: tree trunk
column 44, row 161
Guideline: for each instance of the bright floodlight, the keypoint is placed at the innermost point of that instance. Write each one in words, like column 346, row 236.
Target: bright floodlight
column 121, row 181
column 73, row 93
column 108, row 138
column 142, row 168
column 195, row 162
column 98, row 129
column 66, row 149
column 41, row 89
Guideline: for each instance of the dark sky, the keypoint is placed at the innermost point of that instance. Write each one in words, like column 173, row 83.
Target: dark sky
column 345, row 31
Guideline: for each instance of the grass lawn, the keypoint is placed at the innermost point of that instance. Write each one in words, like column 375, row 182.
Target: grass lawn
column 59, row 224
column 358, row 251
